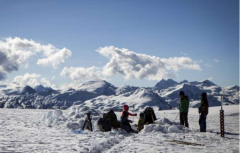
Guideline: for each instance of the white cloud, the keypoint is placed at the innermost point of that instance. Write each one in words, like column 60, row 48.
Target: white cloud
column 216, row 60
column 81, row 73
column 66, row 86
column 15, row 52
column 31, row 80
column 26, row 79
column 55, row 58
column 210, row 79
column 135, row 65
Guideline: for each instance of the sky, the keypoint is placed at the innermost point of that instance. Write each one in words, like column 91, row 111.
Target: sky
column 140, row 42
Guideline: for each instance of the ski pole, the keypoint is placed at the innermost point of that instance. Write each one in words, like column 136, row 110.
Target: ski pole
column 176, row 117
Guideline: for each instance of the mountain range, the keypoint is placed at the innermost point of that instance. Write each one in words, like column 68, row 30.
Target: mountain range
column 100, row 94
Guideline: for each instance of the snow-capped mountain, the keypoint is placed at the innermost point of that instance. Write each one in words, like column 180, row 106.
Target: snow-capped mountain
column 100, row 94
column 99, row 87
column 171, row 95
column 125, row 89
column 140, row 99
column 42, row 88
column 28, row 90
column 164, row 84
column 233, row 94
column 207, row 86
column 45, row 97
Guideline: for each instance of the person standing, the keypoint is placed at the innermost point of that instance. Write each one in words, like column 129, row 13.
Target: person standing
column 183, row 108
column 203, row 110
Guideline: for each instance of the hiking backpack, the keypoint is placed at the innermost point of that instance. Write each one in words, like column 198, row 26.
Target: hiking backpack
column 149, row 115
column 108, row 122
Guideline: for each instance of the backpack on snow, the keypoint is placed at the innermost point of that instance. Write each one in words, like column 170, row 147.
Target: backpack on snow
column 149, row 115
column 108, row 122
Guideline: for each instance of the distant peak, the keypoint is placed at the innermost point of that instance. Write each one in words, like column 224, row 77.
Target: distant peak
column 28, row 90
column 208, row 82
column 42, row 88
column 163, row 84
column 184, row 81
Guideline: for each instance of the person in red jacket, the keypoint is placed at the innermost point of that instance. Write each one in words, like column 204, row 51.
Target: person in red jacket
column 125, row 109
column 125, row 122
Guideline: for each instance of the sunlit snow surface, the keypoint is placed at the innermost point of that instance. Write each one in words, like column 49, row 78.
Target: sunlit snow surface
column 24, row 130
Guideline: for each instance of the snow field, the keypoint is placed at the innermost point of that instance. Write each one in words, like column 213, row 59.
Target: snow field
column 27, row 131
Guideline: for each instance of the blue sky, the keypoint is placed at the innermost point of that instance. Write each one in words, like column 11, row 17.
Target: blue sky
column 201, row 30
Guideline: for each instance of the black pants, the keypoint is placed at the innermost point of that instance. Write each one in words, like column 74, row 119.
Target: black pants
column 202, row 122
column 184, row 118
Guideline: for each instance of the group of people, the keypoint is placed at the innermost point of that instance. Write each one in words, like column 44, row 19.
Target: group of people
column 183, row 113
column 184, row 108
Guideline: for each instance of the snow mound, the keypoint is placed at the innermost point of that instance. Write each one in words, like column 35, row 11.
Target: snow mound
column 164, row 125
column 53, row 117
column 73, row 119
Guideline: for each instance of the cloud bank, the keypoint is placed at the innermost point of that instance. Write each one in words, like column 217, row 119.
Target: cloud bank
column 81, row 73
column 15, row 52
column 132, row 66
column 32, row 80
column 138, row 66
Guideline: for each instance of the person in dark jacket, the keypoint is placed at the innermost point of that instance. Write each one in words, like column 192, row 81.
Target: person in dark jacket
column 183, row 108
column 125, row 122
column 203, row 110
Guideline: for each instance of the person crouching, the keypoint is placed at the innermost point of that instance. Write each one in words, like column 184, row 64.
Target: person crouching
column 125, row 122
column 141, row 122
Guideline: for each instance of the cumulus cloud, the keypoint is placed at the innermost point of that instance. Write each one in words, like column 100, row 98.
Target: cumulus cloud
column 81, row 73
column 55, row 58
column 134, row 65
column 66, row 86
column 15, row 52
column 31, row 80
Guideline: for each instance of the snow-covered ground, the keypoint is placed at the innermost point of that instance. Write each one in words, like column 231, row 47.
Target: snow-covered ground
column 23, row 130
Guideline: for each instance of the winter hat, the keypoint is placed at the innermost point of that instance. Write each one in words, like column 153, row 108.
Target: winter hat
column 181, row 93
